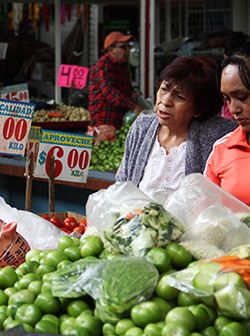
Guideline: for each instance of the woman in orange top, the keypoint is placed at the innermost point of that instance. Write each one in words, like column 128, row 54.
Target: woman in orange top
column 228, row 163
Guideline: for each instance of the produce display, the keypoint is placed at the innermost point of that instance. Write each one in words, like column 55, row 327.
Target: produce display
column 130, row 273
column 68, row 224
column 80, row 288
column 107, row 155
column 62, row 112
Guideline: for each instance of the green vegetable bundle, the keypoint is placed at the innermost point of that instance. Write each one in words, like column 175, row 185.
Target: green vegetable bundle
column 116, row 285
column 135, row 233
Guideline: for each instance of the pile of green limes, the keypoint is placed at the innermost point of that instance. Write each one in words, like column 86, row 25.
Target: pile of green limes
column 107, row 155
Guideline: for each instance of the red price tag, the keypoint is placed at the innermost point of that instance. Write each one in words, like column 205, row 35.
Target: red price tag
column 17, row 92
column 15, row 122
column 33, row 142
column 14, row 129
column 71, row 154
column 74, row 160
column 72, row 76
column 17, row 96
column 34, row 148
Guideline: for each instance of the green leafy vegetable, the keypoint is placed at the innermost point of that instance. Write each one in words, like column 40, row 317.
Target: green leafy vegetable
column 116, row 285
column 135, row 234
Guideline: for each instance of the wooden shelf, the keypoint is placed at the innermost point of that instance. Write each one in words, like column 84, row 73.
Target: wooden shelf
column 96, row 180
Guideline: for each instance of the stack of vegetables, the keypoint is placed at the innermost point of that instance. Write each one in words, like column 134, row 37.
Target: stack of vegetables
column 107, row 155
column 137, row 279
column 62, row 112
column 81, row 288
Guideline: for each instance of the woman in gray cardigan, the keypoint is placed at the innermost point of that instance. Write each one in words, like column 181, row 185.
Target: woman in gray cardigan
column 162, row 147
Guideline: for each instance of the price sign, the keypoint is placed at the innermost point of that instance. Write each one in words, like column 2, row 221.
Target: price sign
column 72, row 76
column 33, row 141
column 72, row 154
column 18, row 92
column 15, row 123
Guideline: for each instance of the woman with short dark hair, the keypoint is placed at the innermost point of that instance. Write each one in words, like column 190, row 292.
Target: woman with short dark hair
column 162, row 147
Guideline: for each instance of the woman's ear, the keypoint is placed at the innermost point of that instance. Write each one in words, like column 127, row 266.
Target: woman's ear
column 197, row 115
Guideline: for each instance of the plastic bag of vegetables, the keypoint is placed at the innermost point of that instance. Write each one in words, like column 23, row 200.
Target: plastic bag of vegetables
column 129, row 222
column 135, row 233
column 115, row 285
column 223, row 283
column 211, row 217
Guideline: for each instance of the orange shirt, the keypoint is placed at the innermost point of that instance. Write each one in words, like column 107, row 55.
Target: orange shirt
column 229, row 165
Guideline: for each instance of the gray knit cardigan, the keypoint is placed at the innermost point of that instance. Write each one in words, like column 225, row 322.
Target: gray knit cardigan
column 141, row 137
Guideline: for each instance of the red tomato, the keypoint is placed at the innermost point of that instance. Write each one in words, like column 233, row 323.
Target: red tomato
column 56, row 221
column 83, row 222
column 65, row 230
column 79, row 229
column 45, row 216
column 70, row 223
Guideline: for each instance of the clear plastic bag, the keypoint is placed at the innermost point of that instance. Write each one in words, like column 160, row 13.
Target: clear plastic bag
column 115, row 285
column 222, row 287
column 211, row 215
column 38, row 232
column 129, row 222
column 104, row 206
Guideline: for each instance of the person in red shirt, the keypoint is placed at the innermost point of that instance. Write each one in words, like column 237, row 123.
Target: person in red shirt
column 228, row 163
column 110, row 92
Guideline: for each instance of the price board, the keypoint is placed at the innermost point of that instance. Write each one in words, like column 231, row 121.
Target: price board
column 17, row 92
column 72, row 76
column 15, row 123
column 33, row 141
column 71, row 152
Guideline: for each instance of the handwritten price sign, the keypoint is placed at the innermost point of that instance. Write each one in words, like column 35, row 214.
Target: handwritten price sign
column 18, row 92
column 33, row 142
column 15, row 122
column 72, row 153
column 72, row 76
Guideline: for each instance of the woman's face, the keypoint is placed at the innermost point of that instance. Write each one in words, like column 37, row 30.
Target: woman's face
column 174, row 107
column 236, row 95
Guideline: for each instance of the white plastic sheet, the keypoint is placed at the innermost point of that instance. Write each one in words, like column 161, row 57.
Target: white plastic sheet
column 209, row 213
column 38, row 232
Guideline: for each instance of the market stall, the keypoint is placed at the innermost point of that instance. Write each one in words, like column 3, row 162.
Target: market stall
column 145, row 280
